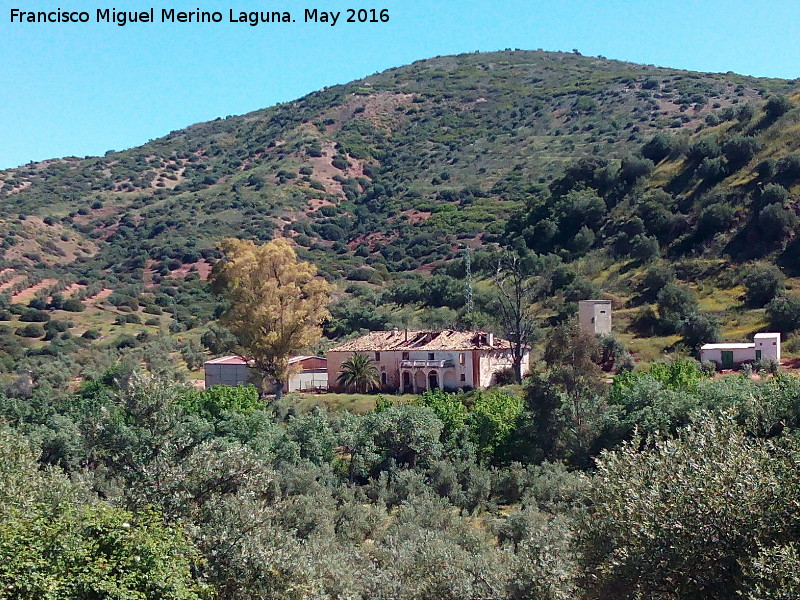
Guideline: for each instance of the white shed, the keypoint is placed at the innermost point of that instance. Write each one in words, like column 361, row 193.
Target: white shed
column 727, row 355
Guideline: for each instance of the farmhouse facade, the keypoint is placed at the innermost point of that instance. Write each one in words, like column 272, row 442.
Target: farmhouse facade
column 416, row 361
column 309, row 373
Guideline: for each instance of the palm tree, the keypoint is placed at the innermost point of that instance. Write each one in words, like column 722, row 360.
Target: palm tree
column 359, row 373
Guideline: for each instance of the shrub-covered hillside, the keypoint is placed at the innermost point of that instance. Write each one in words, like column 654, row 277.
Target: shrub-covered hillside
column 603, row 166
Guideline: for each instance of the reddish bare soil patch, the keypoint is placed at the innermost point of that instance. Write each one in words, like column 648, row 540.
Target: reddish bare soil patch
column 107, row 232
column 25, row 246
column 147, row 276
column 204, row 269
column 29, row 292
column 317, row 203
column 381, row 105
column 18, row 188
column 470, row 105
column 12, row 282
column 163, row 177
column 356, row 168
column 99, row 297
column 380, row 109
column 71, row 289
column 559, row 116
column 43, row 240
column 36, row 222
column 790, row 364
column 373, row 240
column 96, row 213
column 324, row 171
column 201, row 267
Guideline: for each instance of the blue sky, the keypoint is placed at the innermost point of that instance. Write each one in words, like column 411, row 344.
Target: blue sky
column 82, row 89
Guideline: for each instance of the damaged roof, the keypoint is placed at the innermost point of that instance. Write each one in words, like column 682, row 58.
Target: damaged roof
column 403, row 339
column 238, row 360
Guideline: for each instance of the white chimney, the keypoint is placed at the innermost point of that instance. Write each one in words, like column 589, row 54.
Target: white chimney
column 490, row 339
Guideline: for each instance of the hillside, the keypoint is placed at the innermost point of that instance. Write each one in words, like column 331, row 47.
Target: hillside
column 604, row 164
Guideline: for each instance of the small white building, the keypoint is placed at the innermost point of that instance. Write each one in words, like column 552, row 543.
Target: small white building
column 594, row 316
column 768, row 346
column 728, row 355
column 308, row 372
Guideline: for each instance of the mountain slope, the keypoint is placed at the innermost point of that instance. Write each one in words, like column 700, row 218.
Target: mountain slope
column 397, row 172
column 408, row 137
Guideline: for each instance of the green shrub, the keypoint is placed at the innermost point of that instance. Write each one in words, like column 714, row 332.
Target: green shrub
column 715, row 218
column 73, row 305
column 776, row 222
column 762, row 284
column 125, row 341
column 216, row 400
column 34, row 316
column 341, row 163
column 783, row 313
column 740, row 149
column 659, row 147
column 32, row 330
column 776, row 106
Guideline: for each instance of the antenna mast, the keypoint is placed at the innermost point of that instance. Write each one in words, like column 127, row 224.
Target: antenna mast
column 468, row 266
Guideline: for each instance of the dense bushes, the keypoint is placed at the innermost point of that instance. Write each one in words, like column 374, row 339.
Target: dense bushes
column 57, row 543
column 401, row 502
column 653, row 511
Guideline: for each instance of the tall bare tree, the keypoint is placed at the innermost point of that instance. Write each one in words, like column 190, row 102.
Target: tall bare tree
column 276, row 304
column 521, row 281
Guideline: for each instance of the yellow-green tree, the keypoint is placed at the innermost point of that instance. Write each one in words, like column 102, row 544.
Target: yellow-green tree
column 275, row 303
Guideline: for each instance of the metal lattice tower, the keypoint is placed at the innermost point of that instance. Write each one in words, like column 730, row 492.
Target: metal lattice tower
column 468, row 266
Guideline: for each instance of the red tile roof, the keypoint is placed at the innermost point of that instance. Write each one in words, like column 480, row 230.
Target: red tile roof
column 238, row 360
column 384, row 341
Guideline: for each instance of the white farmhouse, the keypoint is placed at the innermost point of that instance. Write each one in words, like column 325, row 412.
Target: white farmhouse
column 728, row 355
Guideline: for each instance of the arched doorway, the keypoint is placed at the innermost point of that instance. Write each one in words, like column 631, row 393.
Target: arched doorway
column 433, row 380
column 407, row 381
column 419, row 382
column 449, row 382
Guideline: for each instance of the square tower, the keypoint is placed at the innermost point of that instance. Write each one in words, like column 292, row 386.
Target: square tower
column 594, row 316
column 768, row 346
